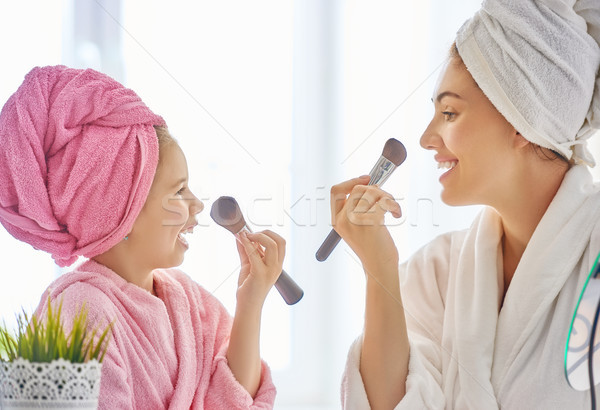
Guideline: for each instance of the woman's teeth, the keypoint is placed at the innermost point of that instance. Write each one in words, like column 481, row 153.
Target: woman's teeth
column 447, row 164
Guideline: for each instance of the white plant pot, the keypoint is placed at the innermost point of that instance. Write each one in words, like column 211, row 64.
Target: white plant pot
column 56, row 385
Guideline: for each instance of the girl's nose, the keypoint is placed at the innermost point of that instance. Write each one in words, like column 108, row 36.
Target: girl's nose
column 197, row 206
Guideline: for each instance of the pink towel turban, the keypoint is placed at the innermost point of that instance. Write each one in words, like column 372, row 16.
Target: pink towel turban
column 538, row 63
column 78, row 153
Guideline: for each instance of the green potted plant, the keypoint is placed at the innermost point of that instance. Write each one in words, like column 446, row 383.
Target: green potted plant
column 45, row 366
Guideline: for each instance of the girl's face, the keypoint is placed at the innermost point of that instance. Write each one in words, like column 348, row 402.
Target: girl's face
column 157, row 237
column 471, row 139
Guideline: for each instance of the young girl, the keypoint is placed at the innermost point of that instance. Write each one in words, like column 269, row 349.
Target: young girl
column 87, row 169
column 478, row 319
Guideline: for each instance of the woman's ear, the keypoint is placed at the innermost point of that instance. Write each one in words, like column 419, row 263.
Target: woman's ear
column 519, row 141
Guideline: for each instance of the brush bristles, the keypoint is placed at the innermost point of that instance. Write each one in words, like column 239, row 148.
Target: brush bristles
column 226, row 212
column 394, row 151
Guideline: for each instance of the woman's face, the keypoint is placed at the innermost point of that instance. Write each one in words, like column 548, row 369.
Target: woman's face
column 471, row 139
column 157, row 236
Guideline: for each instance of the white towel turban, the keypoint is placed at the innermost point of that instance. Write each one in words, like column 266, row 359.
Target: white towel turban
column 538, row 61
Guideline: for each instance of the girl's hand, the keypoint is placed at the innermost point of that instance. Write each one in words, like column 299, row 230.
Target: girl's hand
column 358, row 216
column 261, row 257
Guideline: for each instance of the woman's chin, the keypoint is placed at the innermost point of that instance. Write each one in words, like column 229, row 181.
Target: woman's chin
column 450, row 198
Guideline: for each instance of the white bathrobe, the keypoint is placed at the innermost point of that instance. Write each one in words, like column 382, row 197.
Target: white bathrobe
column 468, row 350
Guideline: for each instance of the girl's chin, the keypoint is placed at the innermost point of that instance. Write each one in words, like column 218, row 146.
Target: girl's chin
column 174, row 259
column 173, row 263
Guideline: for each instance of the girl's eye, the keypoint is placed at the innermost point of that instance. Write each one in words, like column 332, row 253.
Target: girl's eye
column 180, row 192
column 448, row 115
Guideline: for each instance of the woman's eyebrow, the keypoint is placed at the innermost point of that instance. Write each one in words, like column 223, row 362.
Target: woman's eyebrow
column 446, row 94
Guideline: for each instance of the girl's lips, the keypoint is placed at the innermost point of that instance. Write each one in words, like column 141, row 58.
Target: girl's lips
column 183, row 241
column 189, row 228
column 183, row 232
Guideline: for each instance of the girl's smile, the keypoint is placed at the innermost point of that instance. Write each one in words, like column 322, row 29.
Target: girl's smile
column 188, row 229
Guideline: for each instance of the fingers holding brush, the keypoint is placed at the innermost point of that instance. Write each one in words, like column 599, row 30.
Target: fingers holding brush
column 359, row 219
column 367, row 205
column 280, row 246
column 340, row 192
column 353, row 203
column 265, row 252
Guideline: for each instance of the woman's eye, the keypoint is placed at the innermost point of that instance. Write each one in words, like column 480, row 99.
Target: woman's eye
column 448, row 115
column 180, row 192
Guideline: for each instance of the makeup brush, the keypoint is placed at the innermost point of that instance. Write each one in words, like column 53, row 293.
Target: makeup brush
column 226, row 212
column 393, row 155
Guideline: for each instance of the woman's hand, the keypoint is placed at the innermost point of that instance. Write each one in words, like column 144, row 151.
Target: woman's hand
column 261, row 257
column 358, row 216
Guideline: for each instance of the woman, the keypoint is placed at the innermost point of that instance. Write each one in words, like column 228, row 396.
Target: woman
column 87, row 169
column 478, row 319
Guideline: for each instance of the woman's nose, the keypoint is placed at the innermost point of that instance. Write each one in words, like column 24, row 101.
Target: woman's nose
column 431, row 138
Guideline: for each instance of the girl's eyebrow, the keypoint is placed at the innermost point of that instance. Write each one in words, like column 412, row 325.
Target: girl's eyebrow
column 446, row 94
column 179, row 181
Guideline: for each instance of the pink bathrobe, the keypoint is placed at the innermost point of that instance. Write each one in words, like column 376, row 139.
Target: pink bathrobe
column 166, row 351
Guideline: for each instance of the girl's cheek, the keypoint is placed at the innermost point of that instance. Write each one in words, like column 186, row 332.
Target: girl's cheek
column 173, row 216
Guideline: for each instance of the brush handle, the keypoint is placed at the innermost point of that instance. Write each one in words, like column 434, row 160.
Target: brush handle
column 381, row 171
column 288, row 289
column 328, row 245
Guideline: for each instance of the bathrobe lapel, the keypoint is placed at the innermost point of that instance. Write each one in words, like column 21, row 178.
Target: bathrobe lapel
column 178, row 308
column 544, row 269
column 476, row 297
